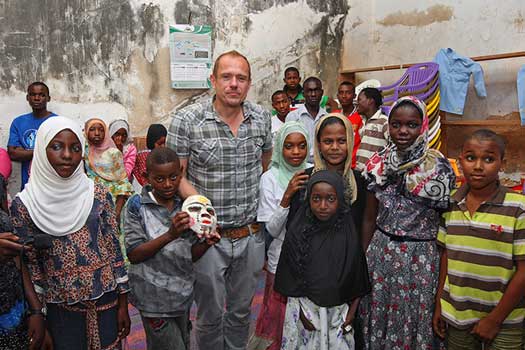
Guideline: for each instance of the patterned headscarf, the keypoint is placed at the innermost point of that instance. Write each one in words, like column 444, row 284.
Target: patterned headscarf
column 427, row 173
column 320, row 163
column 99, row 157
column 283, row 171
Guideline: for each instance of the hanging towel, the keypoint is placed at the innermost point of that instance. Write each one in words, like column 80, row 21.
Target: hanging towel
column 521, row 94
column 454, row 77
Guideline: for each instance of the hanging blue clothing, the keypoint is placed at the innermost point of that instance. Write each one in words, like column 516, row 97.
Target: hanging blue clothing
column 454, row 77
column 521, row 94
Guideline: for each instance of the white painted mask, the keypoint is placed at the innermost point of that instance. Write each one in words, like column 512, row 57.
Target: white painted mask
column 203, row 220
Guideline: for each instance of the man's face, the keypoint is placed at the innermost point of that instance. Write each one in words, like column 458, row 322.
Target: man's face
column 292, row 79
column 313, row 92
column 345, row 95
column 281, row 104
column 363, row 103
column 38, row 97
column 232, row 81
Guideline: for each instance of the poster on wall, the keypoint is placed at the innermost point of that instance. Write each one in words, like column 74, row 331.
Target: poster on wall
column 190, row 56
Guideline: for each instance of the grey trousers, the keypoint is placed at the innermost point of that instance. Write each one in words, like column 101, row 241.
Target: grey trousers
column 168, row 333
column 226, row 277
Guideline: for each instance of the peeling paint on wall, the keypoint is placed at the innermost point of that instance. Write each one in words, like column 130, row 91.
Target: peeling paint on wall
column 416, row 18
column 519, row 22
column 117, row 51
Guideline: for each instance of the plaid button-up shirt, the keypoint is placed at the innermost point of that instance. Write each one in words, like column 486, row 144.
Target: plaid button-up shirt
column 222, row 167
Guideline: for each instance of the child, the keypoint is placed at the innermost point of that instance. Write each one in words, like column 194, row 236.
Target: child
column 277, row 187
column 119, row 131
column 482, row 270
column 81, row 277
column 281, row 108
column 345, row 95
column 292, row 86
column 374, row 133
column 408, row 184
column 333, row 145
column 21, row 321
column 162, row 251
column 322, row 269
column 104, row 163
column 156, row 137
column 23, row 129
column 295, row 93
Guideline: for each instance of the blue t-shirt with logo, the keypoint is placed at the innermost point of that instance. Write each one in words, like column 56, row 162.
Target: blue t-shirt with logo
column 23, row 134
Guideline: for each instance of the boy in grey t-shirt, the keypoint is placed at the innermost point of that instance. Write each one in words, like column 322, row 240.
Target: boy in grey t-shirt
column 162, row 250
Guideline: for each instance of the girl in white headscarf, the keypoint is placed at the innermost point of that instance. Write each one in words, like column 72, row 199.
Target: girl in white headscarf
column 80, row 271
column 120, row 133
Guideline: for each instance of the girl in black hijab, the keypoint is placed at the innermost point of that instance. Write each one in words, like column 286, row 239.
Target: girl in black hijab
column 322, row 269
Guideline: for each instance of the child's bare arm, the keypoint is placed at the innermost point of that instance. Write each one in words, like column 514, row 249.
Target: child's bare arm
column 488, row 327
column 198, row 249
column 369, row 220
column 437, row 322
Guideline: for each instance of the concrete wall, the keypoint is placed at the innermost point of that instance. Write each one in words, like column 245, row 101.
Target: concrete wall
column 383, row 32
column 110, row 58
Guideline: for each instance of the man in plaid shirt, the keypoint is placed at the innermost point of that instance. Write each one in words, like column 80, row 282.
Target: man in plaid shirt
column 224, row 145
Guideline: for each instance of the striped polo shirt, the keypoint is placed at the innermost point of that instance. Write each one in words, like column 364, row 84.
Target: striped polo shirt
column 374, row 136
column 481, row 249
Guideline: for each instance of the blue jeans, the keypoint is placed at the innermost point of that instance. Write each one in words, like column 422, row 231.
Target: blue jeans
column 226, row 278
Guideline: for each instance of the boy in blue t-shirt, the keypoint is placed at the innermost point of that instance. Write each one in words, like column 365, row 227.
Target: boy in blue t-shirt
column 23, row 129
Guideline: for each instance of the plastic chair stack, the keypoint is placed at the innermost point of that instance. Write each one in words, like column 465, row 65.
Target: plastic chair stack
column 422, row 81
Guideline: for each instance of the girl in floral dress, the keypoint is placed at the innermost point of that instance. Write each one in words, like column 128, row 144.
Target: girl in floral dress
column 409, row 185
column 104, row 163
column 81, row 276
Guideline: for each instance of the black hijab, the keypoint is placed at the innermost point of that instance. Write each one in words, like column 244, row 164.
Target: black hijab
column 323, row 260
column 155, row 132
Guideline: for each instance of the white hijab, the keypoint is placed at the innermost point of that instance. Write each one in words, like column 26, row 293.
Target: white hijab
column 58, row 206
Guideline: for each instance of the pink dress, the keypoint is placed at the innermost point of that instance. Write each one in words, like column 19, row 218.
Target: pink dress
column 5, row 164
column 130, row 155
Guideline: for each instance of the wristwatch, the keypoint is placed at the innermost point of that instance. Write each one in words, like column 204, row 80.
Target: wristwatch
column 42, row 311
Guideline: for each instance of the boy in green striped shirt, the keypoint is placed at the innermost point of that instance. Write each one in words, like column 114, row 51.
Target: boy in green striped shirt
column 480, row 297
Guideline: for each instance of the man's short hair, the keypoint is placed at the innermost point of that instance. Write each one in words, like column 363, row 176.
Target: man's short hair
column 313, row 79
column 38, row 83
column 232, row 53
column 347, row 83
column 161, row 155
column 278, row 92
column 291, row 69
column 374, row 94
column 488, row 135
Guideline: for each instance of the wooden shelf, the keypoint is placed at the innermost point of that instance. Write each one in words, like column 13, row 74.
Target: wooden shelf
column 406, row 65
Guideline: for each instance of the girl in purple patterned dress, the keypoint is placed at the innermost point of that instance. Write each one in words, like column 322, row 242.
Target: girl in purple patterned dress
column 408, row 184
